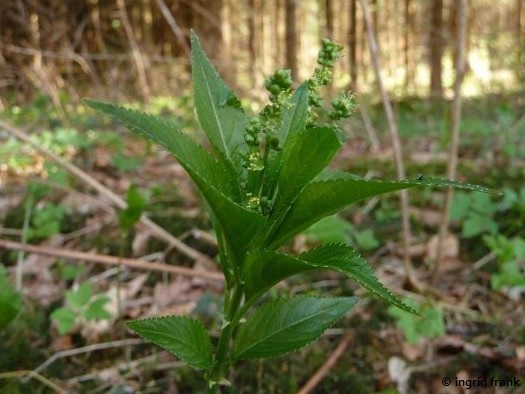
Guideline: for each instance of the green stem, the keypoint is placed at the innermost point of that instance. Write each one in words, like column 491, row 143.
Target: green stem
column 222, row 356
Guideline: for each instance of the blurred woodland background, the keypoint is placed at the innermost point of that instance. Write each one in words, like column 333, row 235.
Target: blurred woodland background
column 140, row 48
column 441, row 88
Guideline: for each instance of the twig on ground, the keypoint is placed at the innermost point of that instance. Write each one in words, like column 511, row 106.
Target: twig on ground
column 129, row 366
column 482, row 262
column 34, row 375
column 110, row 260
column 87, row 349
column 329, row 364
column 83, row 176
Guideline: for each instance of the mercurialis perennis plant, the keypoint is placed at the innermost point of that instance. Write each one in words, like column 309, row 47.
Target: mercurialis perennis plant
column 264, row 181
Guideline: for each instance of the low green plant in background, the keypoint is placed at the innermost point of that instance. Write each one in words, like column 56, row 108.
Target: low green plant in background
column 10, row 301
column 510, row 254
column 429, row 324
column 264, row 181
column 81, row 304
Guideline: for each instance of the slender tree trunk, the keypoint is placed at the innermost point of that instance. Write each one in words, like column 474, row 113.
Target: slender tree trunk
column 174, row 26
column 406, row 44
column 454, row 126
column 329, row 18
column 436, row 48
column 252, row 46
column 230, row 69
column 352, row 43
column 140, row 62
column 520, row 41
column 394, row 134
column 291, row 37
column 277, row 36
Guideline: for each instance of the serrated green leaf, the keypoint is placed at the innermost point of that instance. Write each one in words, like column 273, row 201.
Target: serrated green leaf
column 271, row 267
column 238, row 224
column 64, row 319
column 10, row 301
column 268, row 268
column 294, row 120
column 222, row 122
column 346, row 260
column 199, row 164
column 328, row 196
column 96, row 309
column 183, row 336
column 288, row 324
column 80, row 297
column 429, row 324
column 305, row 155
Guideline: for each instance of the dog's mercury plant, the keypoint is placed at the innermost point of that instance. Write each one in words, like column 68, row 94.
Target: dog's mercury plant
column 265, row 180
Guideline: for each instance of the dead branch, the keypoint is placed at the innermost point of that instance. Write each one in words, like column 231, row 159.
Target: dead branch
column 87, row 349
column 135, row 50
column 394, row 134
column 174, row 26
column 83, row 176
column 329, row 364
column 109, row 260
column 452, row 161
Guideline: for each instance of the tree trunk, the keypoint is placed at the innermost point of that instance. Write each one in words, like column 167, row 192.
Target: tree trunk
column 406, row 44
column 252, row 46
column 436, row 48
column 520, row 42
column 291, row 37
column 452, row 161
column 352, row 43
column 230, row 70
column 329, row 18
column 206, row 16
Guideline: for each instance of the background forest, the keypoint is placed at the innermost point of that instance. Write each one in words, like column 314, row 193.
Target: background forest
column 441, row 92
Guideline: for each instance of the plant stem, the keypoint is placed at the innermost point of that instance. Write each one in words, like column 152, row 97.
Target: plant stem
column 221, row 360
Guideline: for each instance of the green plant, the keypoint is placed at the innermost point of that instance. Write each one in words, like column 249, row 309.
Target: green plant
column 429, row 324
column 81, row 305
column 511, row 260
column 337, row 230
column 265, row 181
column 46, row 221
column 476, row 212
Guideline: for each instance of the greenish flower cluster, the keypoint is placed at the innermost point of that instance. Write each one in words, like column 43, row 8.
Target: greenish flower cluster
column 344, row 106
column 329, row 53
column 262, row 130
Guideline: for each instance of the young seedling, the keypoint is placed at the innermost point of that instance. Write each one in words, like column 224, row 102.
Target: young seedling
column 265, row 180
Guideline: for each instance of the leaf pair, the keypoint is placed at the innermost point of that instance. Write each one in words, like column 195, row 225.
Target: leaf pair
column 275, row 329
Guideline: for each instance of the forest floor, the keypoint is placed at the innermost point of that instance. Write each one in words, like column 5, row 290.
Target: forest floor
column 70, row 329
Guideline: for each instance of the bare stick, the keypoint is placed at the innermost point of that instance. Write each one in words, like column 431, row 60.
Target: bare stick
column 174, row 26
column 109, row 260
column 452, row 161
column 34, row 375
column 87, row 349
column 329, row 364
column 155, row 229
column 135, row 50
column 369, row 127
column 394, row 134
